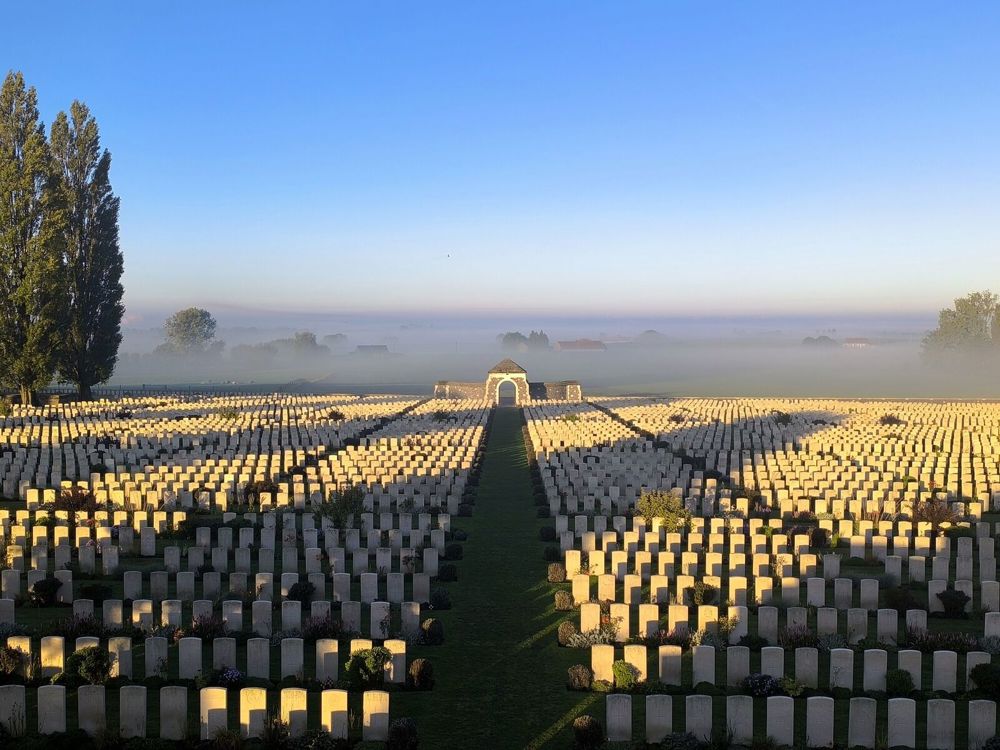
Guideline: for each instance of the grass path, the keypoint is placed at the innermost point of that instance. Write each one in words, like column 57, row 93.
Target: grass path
column 500, row 674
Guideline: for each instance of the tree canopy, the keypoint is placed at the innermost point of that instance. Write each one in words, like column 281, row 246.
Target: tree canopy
column 517, row 341
column 189, row 331
column 94, row 260
column 971, row 326
column 32, row 242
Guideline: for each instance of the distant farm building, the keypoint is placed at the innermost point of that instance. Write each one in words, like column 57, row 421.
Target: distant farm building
column 857, row 343
column 372, row 349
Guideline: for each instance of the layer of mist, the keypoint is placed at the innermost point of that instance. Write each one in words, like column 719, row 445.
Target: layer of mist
column 849, row 357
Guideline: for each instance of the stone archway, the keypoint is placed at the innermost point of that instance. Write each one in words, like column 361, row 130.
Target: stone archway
column 508, row 371
column 500, row 398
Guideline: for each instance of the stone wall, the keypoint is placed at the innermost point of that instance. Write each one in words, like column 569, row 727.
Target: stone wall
column 455, row 389
column 564, row 390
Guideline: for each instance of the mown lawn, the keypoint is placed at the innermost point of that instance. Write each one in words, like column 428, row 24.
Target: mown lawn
column 500, row 674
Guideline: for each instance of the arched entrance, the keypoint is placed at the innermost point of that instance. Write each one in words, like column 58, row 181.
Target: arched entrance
column 506, row 393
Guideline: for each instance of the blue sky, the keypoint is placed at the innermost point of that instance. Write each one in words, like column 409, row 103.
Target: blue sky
column 560, row 157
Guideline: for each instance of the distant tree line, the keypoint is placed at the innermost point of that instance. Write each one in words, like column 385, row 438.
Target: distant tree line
column 972, row 326
column 517, row 341
column 60, row 262
column 191, row 333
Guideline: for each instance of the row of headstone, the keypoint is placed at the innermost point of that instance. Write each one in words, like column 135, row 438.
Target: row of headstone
column 645, row 621
column 263, row 585
column 234, row 613
column 644, row 563
column 172, row 702
column 224, row 654
column 667, row 661
column 822, row 727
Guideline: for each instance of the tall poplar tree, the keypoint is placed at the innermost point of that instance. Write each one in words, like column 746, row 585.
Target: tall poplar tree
column 93, row 258
column 32, row 289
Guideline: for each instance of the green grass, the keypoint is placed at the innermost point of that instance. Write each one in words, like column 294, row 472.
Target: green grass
column 500, row 674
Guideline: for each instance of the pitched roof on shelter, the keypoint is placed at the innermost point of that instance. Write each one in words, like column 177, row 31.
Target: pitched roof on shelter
column 506, row 366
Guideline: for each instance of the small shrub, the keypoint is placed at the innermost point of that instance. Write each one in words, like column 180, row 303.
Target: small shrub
column 565, row 632
column 72, row 628
column 366, row 668
column 935, row 511
column 229, row 414
column 227, row 677
column 226, row 739
column 898, row 683
column 76, row 500
column 588, row 734
column 782, row 418
column 954, row 602
column 940, row 640
column 680, row 741
column 791, row 687
column 90, row 666
column 556, row 573
column 993, row 743
column 626, row 675
column 761, row 685
column 900, row 598
column 601, row 686
column 402, row 734
column 206, row 627
column 548, row 534
column 275, row 732
column 440, row 598
column 702, row 593
column 552, row 554
column 819, row 537
column 987, row 679
column 447, row 573
column 666, row 506
column 604, row 634
column 432, row 631
column 420, row 675
column 328, row 627
column 890, row 420
column 44, row 593
column 564, row 601
column 797, row 636
column 579, row 677
column 830, row 641
column 303, row 591
column 11, row 660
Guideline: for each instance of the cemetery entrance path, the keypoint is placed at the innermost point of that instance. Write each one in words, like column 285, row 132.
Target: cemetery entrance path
column 500, row 675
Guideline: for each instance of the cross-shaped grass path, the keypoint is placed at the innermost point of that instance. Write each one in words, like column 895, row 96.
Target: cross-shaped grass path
column 501, row 677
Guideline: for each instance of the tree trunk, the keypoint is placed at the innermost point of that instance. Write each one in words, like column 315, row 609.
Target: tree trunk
column 27, row 396
column 84, row 392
